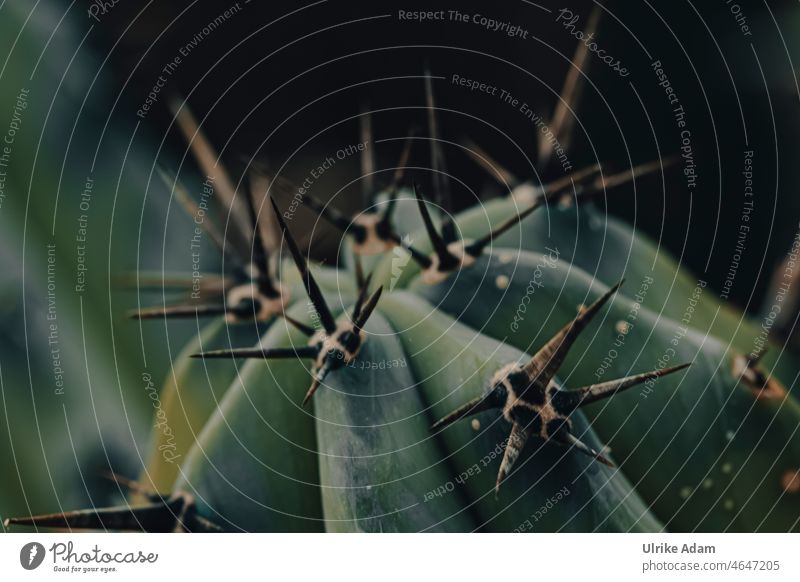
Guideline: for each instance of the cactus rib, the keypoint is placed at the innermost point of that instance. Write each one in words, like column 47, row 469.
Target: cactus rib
column 535, row 406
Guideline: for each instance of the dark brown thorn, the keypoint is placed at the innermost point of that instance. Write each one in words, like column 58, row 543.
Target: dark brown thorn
column 402, row 163
column 159, row 516
column 516, row 442
column 367, row 156
column 305, row 329
column 745, row 369
column 209, row 162
column 319, row 378
column 476, row 248
column 187, row 310
column 492, row 167
column 260, row 182
column 634, row 173
column 578, row 177
column 419, row 258
column 399, row 172
column 438, row 243
column 567, row 439
column 563, row 120
column 130, row 485
column 330, row 214
column 588, row 394
column 192, row 210
column 449, row 230
column 155, row 281
column 359, row 268
column 363, row 315
column 259, row 250
column 313, row 290
column 544, row 365
column 441, row 182
column 474, row 406
column 363, row 289
column 260, row 353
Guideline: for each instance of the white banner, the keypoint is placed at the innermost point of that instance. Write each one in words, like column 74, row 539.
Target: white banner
column 400, row 557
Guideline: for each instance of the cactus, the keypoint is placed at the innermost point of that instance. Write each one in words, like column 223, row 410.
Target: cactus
column 485, row 385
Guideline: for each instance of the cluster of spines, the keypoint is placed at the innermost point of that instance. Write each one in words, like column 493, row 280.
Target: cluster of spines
column 532, row 402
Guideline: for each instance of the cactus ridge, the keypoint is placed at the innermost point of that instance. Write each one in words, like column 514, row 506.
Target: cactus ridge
column 332, row 347
column 535, row 405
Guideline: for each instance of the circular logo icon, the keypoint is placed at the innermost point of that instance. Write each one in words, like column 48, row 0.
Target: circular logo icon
column 31, row 555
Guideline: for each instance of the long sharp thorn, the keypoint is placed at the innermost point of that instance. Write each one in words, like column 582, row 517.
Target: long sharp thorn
column 130, row 485
column 476, row 248
column 402, row 163
column 259, row 249
column 399, row 172
column 260, row 184
column 564, row 115
column 492, row 167
column 438, row 243
column 179, row 311
column 359, row 271
column 441, row 181
column 516, row 442
column 448, row 230
column 305, row 329
column 363, row 316
column 158, row 516
column 209, row 162
column 419, row 258
column 588, row 394
column 634, row 173
column 190, row 206
column 474, row 406
column 329, row 213
column 260, row 353
column 154, row 281
column 319, row 378
column 313, row 290
column 578, row 177
column 544, row 365
column 362, row 296
column 570, row 440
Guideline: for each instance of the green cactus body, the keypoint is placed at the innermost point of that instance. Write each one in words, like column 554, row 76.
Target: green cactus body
column 377, row 458
column 254, row 466
column 191, row 392
column 728, row 450
column 608, row 249
column 554, row 489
